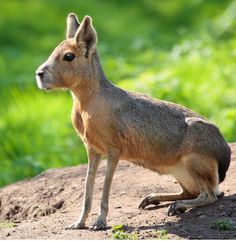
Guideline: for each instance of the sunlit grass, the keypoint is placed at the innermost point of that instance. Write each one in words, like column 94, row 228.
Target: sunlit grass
column 37, row 134
column 169, row 51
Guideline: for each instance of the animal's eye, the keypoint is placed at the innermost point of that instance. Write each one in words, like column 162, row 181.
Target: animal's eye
column 68, row 57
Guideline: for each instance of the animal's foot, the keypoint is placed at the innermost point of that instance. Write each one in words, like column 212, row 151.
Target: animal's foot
column 150, row 199
column 176, row 208
column 76, row 225
column 100, row 224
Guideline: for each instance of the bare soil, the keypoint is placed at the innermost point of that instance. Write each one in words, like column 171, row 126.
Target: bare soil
column 41, row 207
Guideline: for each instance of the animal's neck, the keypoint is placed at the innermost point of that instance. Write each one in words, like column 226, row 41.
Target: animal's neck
column 92, row 84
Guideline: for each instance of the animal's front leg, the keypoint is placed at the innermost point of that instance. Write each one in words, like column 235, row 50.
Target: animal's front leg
column 112, row 161
column 94, row 160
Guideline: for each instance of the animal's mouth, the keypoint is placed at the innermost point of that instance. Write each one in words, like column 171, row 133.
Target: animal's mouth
column 42, row 84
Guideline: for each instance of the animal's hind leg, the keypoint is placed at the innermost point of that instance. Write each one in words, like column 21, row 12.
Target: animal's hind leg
column 206, row 196
column 203, row 171
column 156, row 198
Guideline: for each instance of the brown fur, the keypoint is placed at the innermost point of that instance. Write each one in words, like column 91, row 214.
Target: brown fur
column 158, row 135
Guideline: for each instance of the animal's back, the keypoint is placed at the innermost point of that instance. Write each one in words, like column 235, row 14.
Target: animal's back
column 155, row 132
column 149, row 128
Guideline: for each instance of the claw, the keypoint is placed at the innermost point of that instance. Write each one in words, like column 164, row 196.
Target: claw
column 174, row 209
column 76, row 225
column 144, row 203
column 100, row 224
column 147, row 201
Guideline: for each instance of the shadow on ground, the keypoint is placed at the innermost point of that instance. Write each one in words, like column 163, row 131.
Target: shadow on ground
column 198, row 223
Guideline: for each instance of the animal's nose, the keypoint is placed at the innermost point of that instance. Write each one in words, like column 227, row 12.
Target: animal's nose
column 40, row 73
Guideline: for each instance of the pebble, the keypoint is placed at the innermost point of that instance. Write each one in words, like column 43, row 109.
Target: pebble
column 202, row 216
column 17, row 221
column 109, row 231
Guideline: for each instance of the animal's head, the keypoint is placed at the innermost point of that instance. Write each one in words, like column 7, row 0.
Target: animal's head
column 70, row 63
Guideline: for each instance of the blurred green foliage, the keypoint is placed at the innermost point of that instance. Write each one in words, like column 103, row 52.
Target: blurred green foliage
column 182, row 51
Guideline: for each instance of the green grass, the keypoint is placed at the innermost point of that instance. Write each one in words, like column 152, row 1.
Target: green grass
column 162, row 234
column 223, row 224
column 119, row 233
column 4, row 225
column 182, row 51
column 33, row 140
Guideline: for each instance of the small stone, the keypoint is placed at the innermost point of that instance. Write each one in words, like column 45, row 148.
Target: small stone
column 117, row 207
column 109, row 232
column 123, row 193
column 59, row 204
column 202, row 216
column 8, row 234
column 17, row 221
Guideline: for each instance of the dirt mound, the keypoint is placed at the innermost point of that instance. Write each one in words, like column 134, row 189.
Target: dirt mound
column 41, row 207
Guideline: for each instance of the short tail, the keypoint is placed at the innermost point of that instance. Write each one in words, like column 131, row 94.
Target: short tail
column 223, row 162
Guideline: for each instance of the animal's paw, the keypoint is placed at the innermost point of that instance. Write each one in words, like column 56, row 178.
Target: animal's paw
column 150, row 199
column 76, row 225
column 100, row 224
column 176, row 208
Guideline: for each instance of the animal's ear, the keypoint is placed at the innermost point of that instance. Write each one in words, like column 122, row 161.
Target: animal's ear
column 72, row 25
column 86, row 36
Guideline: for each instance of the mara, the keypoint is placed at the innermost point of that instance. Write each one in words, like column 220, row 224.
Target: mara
column 164, row 137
